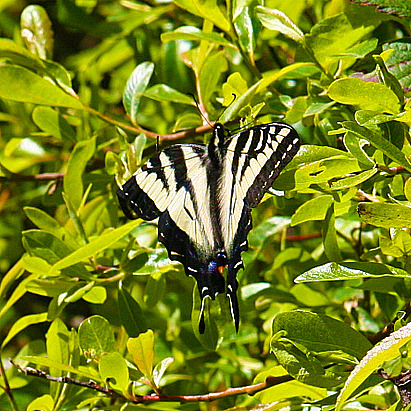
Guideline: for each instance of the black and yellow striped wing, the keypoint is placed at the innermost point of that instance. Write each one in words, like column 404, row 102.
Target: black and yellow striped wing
column 203, row 197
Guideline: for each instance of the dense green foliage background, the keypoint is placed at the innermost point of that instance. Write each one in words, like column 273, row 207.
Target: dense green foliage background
column 86, row 90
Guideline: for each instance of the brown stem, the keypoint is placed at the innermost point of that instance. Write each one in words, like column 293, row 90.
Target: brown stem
column 162, row 137
column 248, row 389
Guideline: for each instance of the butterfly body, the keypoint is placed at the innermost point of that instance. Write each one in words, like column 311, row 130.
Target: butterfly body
column 203, row 195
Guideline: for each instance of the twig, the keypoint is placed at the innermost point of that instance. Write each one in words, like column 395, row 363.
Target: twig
column 163, row 137
column 35, row 177
column 7, row 388
column 249, row 389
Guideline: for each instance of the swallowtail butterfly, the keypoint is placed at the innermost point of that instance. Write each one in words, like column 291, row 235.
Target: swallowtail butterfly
column 203, row 196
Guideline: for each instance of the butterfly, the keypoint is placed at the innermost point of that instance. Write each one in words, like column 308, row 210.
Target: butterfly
column 203, row 196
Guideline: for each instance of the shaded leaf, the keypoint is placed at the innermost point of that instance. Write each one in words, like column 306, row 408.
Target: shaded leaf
column 162, row 92
column 131, row 315
column 385, row 350
column 22, row 323
column 96, row 337
column 276, row 20
column 207, row 9
column 350, row 270
column 53, row 123
column 389, row 149
column 135, row 88
column 73, row 180
column 29, row 87
column 194, row 33
column 142, row 351
column 385, row 214
column 97, row 245
column 114, row 371
column 36, row 31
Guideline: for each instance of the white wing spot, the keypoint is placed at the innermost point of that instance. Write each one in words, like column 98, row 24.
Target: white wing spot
column 285, row 131
column 238, row 264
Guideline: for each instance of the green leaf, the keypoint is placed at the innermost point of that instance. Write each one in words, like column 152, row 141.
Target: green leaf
column 399, row 7
column 294, row 70
column 162, row 92
column 46, row 246
column 398, row 62
column 142, row 351
column 29, row 87
column 135, row 88
column 47, row 223
column 314, row 209
column 114, row 371
column 337, row 34
column 97, row 295
column 15, row 272
column 96, row 337
column 365, row 94
column 385, row 214
column 206, row 9
column 355, row 147
column 385, row 350
column 329, row 234
column 23, row 323
column 53, row 123
column 73, row 180
column 19, row 55
column 247, row 28
column 210, row 74
column 130, row 313
column 107, row 239
column 276, row 20
column 36, row 31
column 160, row 369
column 389, row 149
column 57, row 350
column 155, row 288
column 350, row 271
column 43, row 403
column 286, row 389
column 320, row 333
column 240, row 102
column 354, row 180
column 194, row 33
column 322, row 171
column 17, row 293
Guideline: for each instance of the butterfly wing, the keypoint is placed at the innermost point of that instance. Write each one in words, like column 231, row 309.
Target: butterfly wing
column 175, row 185
column 252, row 161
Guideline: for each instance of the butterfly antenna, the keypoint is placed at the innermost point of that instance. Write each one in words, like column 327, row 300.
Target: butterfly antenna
column 232, row 101
column 199, row 109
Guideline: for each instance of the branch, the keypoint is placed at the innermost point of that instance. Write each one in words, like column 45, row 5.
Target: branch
column 230, row 392
column 35, row 177
column 136, row 129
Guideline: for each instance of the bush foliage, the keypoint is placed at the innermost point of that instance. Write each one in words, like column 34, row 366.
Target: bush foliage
column 93, row 313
